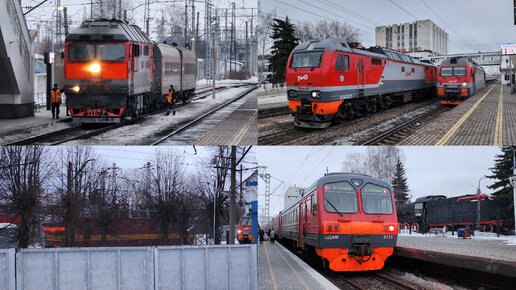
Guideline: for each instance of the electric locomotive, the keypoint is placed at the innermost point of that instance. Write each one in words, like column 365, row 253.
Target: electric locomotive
column 331, row 81
column 349, row 220
column 113, row 70
column 459, row 79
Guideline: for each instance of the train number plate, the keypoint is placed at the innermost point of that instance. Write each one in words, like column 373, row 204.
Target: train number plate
column 303, row 88
column 331, row 237
column 388, row 237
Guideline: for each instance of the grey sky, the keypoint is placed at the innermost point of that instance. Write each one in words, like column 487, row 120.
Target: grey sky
column 78, row 9
column 482, row 24
column 430, row 170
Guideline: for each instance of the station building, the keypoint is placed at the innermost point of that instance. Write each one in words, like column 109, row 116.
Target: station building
column 413, row 37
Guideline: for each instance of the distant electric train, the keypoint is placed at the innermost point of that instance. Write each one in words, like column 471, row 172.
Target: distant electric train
column 459, row 79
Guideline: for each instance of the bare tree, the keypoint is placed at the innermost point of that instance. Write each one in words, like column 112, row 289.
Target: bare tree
column 76, row 178
column 23, row 174
column 160, row 185
column 263, row 31
column 379, row 162
column 323, row 29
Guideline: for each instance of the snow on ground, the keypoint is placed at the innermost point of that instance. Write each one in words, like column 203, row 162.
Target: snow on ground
column 207, row 82
column 142, row 132
column 508, row 240
column 274, row 99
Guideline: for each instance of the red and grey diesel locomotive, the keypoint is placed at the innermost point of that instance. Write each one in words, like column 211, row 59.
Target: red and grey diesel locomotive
column 331, row 80
column 349, row 220
column 459, row 79
column 113, row 70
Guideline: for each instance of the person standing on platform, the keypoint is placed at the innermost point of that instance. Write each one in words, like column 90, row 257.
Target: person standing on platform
column 261, row 233
column 171, row 100
column 271, row 235
column 55, row 99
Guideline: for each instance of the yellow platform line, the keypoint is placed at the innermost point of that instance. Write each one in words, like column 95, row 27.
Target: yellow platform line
column 238, row 138
column 297, row 275
column 498, row 137
column 457, row 125
column 270, row 269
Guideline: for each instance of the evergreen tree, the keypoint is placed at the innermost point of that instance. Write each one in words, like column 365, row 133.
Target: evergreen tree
column 502, row 170
column 284, row 43
column 399, row 183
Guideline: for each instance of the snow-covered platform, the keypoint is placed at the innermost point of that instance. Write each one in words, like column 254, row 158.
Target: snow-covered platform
column 42, row 118
column 239, row 128
column 272, row 99
column 483, row 252
column 280, row 269
column 487, row 118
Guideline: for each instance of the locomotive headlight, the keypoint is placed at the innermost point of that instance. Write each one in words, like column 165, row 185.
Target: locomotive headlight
column 391, row 228
column 76, row 88
column 316, row 94
column 463, row 84
column 239, row 231
column 95, row 68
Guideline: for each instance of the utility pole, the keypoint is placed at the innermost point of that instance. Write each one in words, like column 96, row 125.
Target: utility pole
column 213, row 64
column 119, row 9
column 65, row 21
column 231, row 47
column 226, row 45
column 246, row 50
column 232, row 209
column 186, row 21
column 193, row 28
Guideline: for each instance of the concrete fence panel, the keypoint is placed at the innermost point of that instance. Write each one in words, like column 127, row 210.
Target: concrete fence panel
column 7, row 269
column 206, row 267
column 85, row 268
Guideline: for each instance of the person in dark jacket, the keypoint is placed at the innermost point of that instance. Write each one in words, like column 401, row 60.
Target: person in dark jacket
column 261, row 233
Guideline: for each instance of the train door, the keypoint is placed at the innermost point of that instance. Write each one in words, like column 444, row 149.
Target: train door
column 361, row 77
column 300, row 224
column 305, row 220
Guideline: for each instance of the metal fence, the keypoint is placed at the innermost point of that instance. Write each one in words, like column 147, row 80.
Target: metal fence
column 7, row 268
column 170, row 267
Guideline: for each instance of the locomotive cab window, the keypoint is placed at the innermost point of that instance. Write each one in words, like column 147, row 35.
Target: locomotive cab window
column 459, row 70
column 376, row 199
column 376, row 61
column 246, row 221
column 111, row 52
column 340, row 197
column 306, row 59
column 81, row 51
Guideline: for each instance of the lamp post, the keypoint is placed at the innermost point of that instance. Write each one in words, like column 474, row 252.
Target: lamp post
column 512, row 179
column 478, row 204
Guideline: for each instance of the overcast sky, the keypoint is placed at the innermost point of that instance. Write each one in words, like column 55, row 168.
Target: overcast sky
column 472, row 25
column 80, row 9
column 430, row 170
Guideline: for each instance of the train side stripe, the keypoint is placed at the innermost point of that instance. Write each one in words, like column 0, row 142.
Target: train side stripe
column 297, row 275
column 270, row 269
column 457, row 125
column 498, row 137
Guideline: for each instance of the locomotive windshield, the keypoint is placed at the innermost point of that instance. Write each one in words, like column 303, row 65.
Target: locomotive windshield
column 81, row 52
column 340, row 197
column 447, row 71
column 111, row 51
column 376, row 199
column 104, row 52
column 306, row 59
column 245, row 221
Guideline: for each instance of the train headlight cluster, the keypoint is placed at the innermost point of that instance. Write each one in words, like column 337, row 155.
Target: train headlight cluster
column 95, row 68
column 463, row 84
column 389, row 228
column 76, row 88
column 316, row 94
column 292, row 93
column 333, row 227
column 239, row 231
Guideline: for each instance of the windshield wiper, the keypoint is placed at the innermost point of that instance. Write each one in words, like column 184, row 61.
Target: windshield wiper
column 334, row 207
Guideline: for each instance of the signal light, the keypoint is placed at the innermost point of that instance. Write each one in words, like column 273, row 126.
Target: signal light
column 95, row 68
column 326, row 187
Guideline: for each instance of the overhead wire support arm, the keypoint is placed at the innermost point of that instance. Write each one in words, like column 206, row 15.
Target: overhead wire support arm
column 35, row 7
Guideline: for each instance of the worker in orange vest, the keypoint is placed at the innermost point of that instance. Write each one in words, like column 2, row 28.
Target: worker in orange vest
column 55, row 99
column 171, row 100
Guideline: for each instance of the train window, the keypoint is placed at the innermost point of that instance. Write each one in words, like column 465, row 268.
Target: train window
column 376, row 199
column 146, row 50
column 346, row 62
column 306, row 59
column 360, row 66
column 338, row 63
column 402, row 69
column 111, row 52
column 340, row 197
column 81, row 51
column 459, row 70
column 136, row 50
column 376, row 61
column 314, row 203
column 246, row 221
column 413, row 70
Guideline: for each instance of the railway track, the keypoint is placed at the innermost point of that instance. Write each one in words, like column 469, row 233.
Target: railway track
column 283, row 137
column 268, row 113
column 398, row 133
column 194, row 122
column 374, row 280
column 77, row 132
